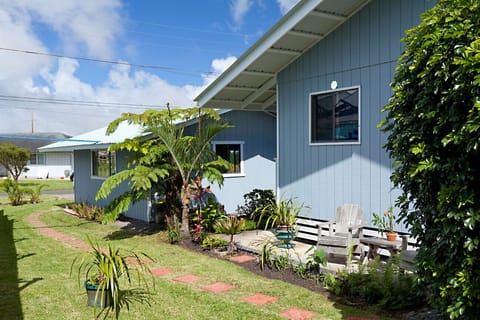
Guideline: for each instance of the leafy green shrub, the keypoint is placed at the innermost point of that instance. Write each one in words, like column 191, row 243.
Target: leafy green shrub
column 212, row 213
column 257, row 198
column 213, row 242
column 88, row 212
column 315, row 259
column 380, row 284
column 35, row 192
column 249, row 225
column 14, row 191
column 433, row 130
column 173, row 231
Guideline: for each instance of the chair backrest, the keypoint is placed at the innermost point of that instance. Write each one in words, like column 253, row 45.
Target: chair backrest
column 348, row 215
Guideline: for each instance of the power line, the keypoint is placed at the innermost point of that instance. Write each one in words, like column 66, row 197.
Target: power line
column 145, row 66
column 77, row 102
column 190, row 28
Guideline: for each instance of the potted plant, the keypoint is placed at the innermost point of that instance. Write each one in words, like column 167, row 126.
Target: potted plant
column 385, row 223
column 281, row 216
column 103, row 269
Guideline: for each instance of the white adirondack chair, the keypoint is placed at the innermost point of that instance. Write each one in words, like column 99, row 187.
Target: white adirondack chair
column 345, row 231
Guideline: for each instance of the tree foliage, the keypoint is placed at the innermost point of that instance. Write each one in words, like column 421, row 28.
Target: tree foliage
column 433, row 121
column 168, row 155
column 14, row 159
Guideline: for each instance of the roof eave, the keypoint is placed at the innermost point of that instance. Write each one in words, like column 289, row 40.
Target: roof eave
column 284, row 25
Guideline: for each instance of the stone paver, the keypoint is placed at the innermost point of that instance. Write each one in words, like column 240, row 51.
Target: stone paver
column 259, row 299
column 218, row 287
column 161, row 271
column 297, row 314
column 189, row 278
column 242, row 258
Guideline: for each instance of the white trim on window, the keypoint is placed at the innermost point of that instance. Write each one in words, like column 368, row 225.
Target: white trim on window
column 232, row 142
column 113, row 170
column 310, row 118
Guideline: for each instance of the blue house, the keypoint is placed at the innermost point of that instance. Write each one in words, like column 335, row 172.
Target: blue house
column 249, row 146
column 325, row 70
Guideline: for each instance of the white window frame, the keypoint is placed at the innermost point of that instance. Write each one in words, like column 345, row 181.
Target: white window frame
column 37, row 157
column 91, row 164
column 310, row 118
column 241, row 143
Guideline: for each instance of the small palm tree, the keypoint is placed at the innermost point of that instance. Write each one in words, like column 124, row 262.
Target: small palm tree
column 231, row 226
column 168, row 152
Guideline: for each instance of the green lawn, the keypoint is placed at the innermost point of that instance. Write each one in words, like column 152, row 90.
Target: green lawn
column 50, row 184
column 35, row 281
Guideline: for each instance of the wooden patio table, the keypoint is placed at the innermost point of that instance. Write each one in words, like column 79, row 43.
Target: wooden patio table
column 375, row 243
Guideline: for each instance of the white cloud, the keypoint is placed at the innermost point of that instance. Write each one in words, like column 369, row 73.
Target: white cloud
column 89, row 24
column 238, row 9
column 17, row 34
column 218, row 66
column 53, row 79
column 286, row 5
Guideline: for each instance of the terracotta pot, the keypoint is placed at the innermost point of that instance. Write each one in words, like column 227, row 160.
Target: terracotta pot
column 391, row 236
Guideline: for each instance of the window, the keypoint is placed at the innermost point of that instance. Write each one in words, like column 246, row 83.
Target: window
column 232, row 152
column 334, row 116
column 103, row 163
column 37, row 158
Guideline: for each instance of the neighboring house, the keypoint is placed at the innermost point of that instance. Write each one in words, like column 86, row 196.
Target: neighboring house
column 325, row 69
column 249, row 146
column 56, row 165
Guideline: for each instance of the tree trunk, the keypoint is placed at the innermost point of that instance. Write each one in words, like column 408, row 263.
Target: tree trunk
column 185, row 229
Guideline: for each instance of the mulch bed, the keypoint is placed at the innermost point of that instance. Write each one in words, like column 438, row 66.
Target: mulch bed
column 254, row 267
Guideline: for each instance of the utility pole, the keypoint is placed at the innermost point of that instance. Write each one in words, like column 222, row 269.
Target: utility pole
column 33, row 123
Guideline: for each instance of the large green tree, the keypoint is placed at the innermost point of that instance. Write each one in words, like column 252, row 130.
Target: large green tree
column 167, row 155
column 14, row 159
column 433, row 122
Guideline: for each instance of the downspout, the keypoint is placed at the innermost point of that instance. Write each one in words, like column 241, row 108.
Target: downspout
column 277, row 138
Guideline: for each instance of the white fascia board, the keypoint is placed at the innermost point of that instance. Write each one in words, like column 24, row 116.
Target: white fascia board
column 292, row 18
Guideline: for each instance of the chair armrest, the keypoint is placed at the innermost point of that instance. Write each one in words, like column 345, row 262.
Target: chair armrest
column 359, row 227
column 321, row 224
column 330, row 227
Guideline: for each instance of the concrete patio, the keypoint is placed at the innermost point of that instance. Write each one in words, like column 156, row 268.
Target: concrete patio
column 251, row 241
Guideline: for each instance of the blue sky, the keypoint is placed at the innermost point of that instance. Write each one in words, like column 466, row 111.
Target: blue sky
column 186, row 43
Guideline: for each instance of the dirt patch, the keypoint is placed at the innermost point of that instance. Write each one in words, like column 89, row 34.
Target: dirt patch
column 253, row 266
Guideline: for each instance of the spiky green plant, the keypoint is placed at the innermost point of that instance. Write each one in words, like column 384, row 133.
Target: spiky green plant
column 232, row 225
column 105, row 268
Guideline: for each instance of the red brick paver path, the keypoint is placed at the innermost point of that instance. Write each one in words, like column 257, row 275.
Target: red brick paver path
column 189, row 278
column 259, row 299
column 242, row 258
column 218, row 287
column 161, row 271
column 297, row 314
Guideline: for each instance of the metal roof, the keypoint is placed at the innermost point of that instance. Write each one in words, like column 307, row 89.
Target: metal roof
column 32, row 141
column 250, row 83
column 96, row 139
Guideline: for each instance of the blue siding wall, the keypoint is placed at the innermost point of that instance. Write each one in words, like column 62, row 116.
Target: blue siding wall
column 257, row 131
column 362, row 52
column 86, row 186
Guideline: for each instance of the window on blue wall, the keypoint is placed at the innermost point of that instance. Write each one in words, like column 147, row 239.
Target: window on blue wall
column 37, row 158
column 334, row 116
column 233, row 153
column 103, row 163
